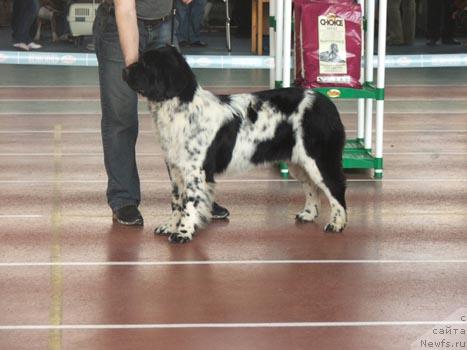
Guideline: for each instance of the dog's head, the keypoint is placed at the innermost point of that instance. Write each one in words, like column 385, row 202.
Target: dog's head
column 161, row 74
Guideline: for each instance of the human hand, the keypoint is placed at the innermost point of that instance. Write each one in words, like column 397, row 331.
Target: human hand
column 186, row 2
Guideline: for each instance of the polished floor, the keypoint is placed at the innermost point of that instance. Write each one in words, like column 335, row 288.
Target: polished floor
column 71, row 279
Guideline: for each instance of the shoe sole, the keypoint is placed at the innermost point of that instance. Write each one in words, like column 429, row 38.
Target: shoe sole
column 220, row 217
column 137, row 222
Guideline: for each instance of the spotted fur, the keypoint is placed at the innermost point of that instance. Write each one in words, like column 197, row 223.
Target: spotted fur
column 203, row 135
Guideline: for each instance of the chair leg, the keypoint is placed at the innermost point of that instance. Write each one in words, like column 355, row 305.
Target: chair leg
column 227, row 26
column 254, row 26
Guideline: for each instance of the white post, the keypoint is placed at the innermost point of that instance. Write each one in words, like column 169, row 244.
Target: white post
column 279, row 41
column 361, row 101
column 272, row 42
column 369, row 48
column 287, row 42
column 380, row 86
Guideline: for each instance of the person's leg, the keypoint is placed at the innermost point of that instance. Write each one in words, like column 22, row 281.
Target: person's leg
column 395, row 36
column 196, row 20
column 183, row 21
column 409, row 20
column 24, row 15
column 433, row 32
column 119, row 124
column 15, row 19
column 448, row 27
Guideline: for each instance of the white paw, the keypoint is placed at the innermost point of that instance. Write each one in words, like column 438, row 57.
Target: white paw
column 338, row 222
column 333, row 228
column 165, row 230
column 180, row 237
column 308, row 215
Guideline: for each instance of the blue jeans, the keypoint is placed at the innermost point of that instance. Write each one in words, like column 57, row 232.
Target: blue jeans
column 23, row 17
column 119, row 104
column 190, row 18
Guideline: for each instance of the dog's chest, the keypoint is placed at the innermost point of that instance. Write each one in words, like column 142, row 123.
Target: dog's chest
column 186, row 131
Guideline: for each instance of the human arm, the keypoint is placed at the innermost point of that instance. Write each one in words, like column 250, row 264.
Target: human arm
column 125, row 16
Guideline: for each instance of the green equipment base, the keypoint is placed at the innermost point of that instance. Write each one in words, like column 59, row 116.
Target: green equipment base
column 355, row 157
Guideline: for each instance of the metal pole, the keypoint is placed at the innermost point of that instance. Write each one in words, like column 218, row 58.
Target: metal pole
column 361, row 101
column 279, row 41
column 287, row 42
column 380, row 87
column 272, row 40
column 369, row 48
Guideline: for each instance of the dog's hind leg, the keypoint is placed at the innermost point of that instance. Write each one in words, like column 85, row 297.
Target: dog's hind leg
column 177, row 202
column 197, row 204
column 312, row 203
column 331, row 181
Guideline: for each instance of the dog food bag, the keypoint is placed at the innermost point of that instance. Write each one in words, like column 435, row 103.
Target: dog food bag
column 328, row 43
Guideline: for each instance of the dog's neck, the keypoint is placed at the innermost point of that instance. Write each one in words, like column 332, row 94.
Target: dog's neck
column 173, row 105
column 186, row 94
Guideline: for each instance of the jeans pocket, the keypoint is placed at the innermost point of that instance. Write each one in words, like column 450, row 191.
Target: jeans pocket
column 106, row 36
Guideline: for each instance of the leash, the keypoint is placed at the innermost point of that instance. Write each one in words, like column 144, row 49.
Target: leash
column 172, row 29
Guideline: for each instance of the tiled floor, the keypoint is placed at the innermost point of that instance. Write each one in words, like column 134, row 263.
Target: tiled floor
column 70, row 279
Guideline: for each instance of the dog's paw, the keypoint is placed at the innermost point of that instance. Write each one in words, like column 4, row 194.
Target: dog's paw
column 164, row 230
column 333, row 228
column 179, row 237
column 307, row 215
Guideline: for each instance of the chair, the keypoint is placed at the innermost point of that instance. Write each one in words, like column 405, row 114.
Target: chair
column 257, row 24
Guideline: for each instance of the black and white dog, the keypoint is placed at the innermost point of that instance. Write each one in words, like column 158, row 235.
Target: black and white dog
column 203, row 135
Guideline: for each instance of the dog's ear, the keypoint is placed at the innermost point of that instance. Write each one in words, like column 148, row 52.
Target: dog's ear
column 178, row 74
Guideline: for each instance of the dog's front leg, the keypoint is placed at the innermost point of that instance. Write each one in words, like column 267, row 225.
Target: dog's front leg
column 177, row 203
column 197, row 204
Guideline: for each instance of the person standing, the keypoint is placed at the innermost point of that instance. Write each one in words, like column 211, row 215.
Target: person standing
column 440, row 24
column 190, row 18
column 401, row 22
column 23, row 16
column 122, row 30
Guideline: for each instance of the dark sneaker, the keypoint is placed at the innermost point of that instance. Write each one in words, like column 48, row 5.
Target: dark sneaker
column 129, row 216
column 218, row 212
column 198, row 44
column 450, row 41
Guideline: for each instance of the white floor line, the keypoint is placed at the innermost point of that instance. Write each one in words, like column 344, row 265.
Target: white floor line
column 97, row 86
column 33, row 181
column 88, row 154
column 144, row 113
column 95, row 99
column 151, row 154
column 97, row 131
column 229, row 262
column 231, row 325
column 21, row 216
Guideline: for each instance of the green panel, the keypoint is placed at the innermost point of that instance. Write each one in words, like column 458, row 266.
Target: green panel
column 356, row 156
column 368, row 90
column 357, row 161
